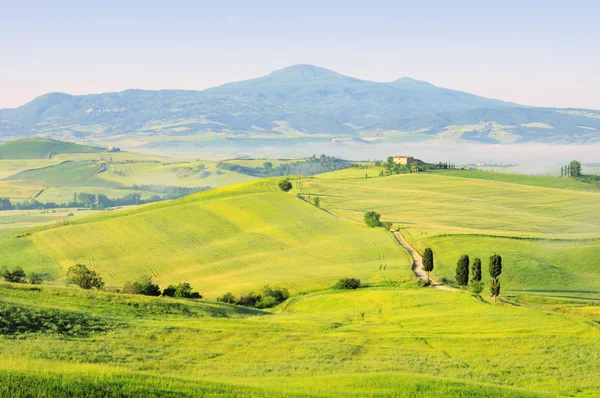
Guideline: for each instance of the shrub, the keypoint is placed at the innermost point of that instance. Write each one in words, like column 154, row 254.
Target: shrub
column 24, row 235
column 477, row 286
column 182, row 290
column 279, row 294
column 317, row 201
column 227, row 298
column 145, row 287
column 83, row 277
column 285, row 185
column 35, row 279
column 347, row 284
column 248, row 299
column 372, row 219
column 267, row 302
column 17, row 275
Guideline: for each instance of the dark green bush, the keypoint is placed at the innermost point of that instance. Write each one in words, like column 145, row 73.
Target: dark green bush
column 17, row 275
column 144, row 286
column 372, row 219
column 285, row 185
column 182, row 290
column 227, row 298
column 347, row 284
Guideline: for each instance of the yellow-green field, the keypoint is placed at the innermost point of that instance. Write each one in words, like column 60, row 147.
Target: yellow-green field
column 390, row 338
column 377, row 342
column 229, row 239
column 549, row 237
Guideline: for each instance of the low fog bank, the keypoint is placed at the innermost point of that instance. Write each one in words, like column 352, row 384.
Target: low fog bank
column 531, row 158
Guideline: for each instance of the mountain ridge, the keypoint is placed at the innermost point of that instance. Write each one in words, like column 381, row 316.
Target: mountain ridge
column 297, row 102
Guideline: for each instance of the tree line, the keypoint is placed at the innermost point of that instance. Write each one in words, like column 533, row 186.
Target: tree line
column 100, row 201
column 311, row 166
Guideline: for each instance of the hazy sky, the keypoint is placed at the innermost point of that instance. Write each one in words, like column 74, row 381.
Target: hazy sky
column 544, row 53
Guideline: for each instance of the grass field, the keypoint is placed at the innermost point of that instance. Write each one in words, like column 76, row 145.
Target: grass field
column 371, row 342
column 390, row 338
column 538, row 228
column 230, row 239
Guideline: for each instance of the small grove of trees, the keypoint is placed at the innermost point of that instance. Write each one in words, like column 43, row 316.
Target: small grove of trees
column 347, row 284
column 428, row 261
column 17, row 275
column 495, row 269
column 182, row 290
column 83, row 277
column 269, row 297
column 462, row 271
column 285, row 185
column 372, row 219
column 145, row 287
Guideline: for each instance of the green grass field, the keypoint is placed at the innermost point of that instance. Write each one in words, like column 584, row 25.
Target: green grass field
column 390, row 338
column 39, row 148
column 229, row 239
column 402, row 342
column 538, row 228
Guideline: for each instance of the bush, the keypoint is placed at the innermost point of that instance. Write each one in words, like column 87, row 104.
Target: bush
column 317, row 201
column 24, row 235
column 248, row 299
column 477, row 286
column 145, row 287
column 347, row 284
column 35, row 279
column 17, row 275
column 83, row 277
column 279, row 294
column 227, row 298
column 182, row 290
column 372, row 219
column 285, row 185
column 267, row 302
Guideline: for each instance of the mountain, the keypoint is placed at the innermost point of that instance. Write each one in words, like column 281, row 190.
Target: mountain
column 300, row 103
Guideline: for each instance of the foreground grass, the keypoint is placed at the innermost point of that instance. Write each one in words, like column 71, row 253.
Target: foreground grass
column 402, row 341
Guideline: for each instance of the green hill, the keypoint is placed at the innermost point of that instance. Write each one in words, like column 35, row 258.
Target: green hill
column 41, row 149
column 546, row 228
column 236, row 239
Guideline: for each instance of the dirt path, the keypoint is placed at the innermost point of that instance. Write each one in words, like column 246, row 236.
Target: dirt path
column 417, row 259
column 418, row 263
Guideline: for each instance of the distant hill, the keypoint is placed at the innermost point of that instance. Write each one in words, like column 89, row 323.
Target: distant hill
column 41, row 149
column 300, row 103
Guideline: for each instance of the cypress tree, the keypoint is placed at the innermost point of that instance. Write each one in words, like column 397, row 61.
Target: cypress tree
column 476, row 270
column 495, row 266
column 462, row 271
column 428, row 261
column 495, row 288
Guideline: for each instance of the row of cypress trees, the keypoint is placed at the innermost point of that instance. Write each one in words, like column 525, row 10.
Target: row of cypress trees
column 495, row 269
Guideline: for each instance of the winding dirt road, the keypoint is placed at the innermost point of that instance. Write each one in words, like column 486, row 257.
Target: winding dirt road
column 417, row 266
column 418, row 263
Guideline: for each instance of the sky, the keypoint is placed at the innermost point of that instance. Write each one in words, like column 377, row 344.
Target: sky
column 542, row 53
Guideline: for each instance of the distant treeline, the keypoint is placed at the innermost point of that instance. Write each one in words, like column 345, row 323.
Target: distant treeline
column 309, row 167
column 101, row 201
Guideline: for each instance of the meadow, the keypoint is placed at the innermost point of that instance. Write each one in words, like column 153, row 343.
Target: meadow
column 537, row 227
column 389, row 338
column 401, row 341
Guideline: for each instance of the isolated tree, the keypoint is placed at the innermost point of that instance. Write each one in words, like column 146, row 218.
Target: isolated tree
column 17, row 275
column 476, row 270
column 268, row 166
column 495, row 266
column 317, row 201
column 83, row 277
column 462, row 271
column 495, row 288
column 285, row 185
column 428, row 261
column 372, row 219
column 575, row 168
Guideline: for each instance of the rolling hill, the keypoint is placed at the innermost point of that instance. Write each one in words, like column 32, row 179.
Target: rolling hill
column 298, row 104
column 236, row 238
column 41, row 149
